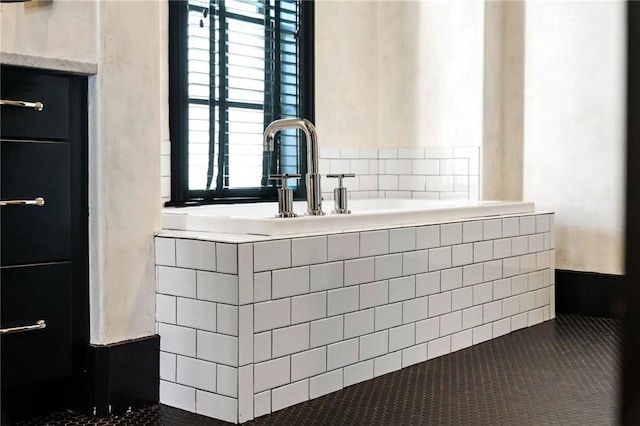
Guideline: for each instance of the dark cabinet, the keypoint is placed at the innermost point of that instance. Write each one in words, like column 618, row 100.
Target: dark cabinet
column 43, row 248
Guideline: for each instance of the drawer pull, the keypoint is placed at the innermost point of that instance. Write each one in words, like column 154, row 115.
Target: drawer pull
column 39, row 325
column 39, row 201
column 23, row 104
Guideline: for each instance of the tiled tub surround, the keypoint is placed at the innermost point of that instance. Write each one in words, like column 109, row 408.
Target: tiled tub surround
column 251, row 325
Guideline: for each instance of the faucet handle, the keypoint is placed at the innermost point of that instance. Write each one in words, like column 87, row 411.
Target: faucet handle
column 341, row 176
column 285, row 178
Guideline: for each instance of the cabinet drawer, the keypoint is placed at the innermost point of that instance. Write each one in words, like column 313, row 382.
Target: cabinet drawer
column 52, row 123
column 29, row 294
column 33, row 234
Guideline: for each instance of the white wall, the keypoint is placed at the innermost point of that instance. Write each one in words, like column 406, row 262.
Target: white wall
column 574, row 121
column 127, row 40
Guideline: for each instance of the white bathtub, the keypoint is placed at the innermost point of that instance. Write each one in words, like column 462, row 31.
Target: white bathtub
column 258, row 219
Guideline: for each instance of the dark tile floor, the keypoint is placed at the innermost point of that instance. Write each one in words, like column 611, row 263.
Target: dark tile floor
column 562, row 372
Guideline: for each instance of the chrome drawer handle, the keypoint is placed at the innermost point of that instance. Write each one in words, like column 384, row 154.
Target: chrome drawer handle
column 39, row 201
column 39, row 325
column 23, row 104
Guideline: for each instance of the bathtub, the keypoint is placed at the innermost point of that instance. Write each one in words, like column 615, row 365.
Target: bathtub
column 259, row 218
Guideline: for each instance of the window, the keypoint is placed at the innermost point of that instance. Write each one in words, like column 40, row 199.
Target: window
column 235, row 66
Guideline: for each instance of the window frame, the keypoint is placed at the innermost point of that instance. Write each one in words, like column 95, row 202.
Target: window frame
column 181, row 195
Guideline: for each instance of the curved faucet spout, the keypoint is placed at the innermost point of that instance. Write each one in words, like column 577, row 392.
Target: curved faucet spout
column 314, row 193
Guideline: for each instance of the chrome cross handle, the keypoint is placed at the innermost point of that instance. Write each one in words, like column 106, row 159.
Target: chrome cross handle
column 340, row 193
column 285, row 194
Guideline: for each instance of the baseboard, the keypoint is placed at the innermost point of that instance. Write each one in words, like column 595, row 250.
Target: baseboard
column 122, row 376
column 589, row 293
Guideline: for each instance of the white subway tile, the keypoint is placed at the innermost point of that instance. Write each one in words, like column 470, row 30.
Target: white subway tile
column 374, row 243
column 427, row 330
column 227, row 258
column 177, row 396
column 450, row 323
column 527, row 225
column 542, row 297
column 502, row 248
column 450, row 279
column 402, row 337
column 227, row 381
column 374, row 294
column 527, row 263
column 349, row 153
column 177, row 340
column 402, row 288
column 454, row 195
column 357, row 373
column 360, row 167
column 440, row 183
column 411, row 153
column 536, row 317
column 439, row 304
column 510, row 306
column 326, row 331
column 415, row 262
column 217, row 348
column 358, row 323
column 411, row 183
column 245, row 335
column 388, row 266
column 543, row 223
column 462, row 254
column 358, row 271
column 536, row 280
column 414, row 310
column 482, row 333
column 368, row 153
column 342, row 353
column 245, row 394
column 308, row 307
column 262, row 286
column 428, row 237
column 520, row 284
column 290, row 282
column 502, row 289
column 472, row 274
column 373, row 345
column 289, row 395
column 502, row 327
column 482, row 293
column 450, row 234
column 482, row 251
column 387, row 363
column 167, row 366
column 547, row 313
column 425, row 167
column 269, row 255
column 439, row 347
column 369, row 182
column 471, row 317
column 387, row 153
column 414, row 355
column 177, row 281
column 339, row 166
column 510, row 227
column 196, row 314
column 527, row 301
column 262, row 403
column 262, row 346
column 270, row 315
column 519, row 245
column 536, row 243
column 492, row 311
column 398, row 167
column 343, row 246
column 492, row 229
column 492, row 270
column 519, row 321
column 461, row 298
column 427, row 284
column 439, row 258
column 196, row 254
column 402, row 239
column 329, row 152
column 290, row 340
column 472, row 231
column 227, row 320
column 388, row 316
column 438, row 152
column 269, row 374
column 308, row 251
column 510, row 266
column 342, row 300
column 165, row 250
column 461, row 340
column 543, row 260
column 245, row 273
column 326, row 276
column 325, row 383
column 166, row 308
column 309, row 363
column 387, row 182
column 552, row 302
column 215, row 287
column 461, row 185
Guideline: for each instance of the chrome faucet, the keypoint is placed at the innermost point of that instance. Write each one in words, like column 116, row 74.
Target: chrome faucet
column 314, row 194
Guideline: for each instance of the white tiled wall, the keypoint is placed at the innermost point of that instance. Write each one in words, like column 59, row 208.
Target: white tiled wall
column 296, row 318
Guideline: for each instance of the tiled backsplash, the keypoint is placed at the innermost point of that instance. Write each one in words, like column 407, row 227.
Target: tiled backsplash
column 434, row 173
column 247, row 329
